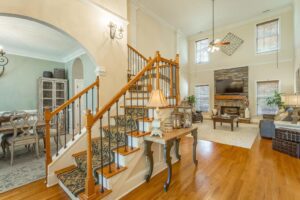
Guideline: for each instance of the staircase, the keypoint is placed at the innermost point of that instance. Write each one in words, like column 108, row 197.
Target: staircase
column 111, row 140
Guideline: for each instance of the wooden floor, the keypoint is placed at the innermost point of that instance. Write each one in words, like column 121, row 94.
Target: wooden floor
column 223, row 172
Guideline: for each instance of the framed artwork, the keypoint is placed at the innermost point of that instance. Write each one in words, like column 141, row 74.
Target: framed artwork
column 235, row 43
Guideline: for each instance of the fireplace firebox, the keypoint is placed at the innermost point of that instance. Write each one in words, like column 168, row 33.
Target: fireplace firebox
column 230, row 110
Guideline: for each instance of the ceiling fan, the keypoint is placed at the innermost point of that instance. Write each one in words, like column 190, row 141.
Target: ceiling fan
column 215, row 44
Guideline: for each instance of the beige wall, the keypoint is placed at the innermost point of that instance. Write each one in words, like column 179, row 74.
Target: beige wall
column 88, row 24
column 261, row 67
column 148, row 33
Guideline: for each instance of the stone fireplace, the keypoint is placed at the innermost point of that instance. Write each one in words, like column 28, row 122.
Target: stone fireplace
column 232, row 104
column 230, row 110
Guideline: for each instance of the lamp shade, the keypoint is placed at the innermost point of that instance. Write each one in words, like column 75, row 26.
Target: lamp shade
column 157, row 99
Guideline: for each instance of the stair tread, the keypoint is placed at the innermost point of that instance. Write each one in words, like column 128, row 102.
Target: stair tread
column 138, row 134
column 99, row 195
column 146, row 119
column 114, row 170
column 141, row 98
column 124, row 152
column 66, row 169
column 144, row 107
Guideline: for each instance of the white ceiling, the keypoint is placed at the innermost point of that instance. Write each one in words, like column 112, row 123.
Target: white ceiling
column 193, row 16
column 32, row 39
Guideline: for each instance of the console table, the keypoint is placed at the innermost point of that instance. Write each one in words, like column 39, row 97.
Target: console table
column 168, row 139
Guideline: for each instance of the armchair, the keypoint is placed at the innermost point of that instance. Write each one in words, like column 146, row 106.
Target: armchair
column 267, row 128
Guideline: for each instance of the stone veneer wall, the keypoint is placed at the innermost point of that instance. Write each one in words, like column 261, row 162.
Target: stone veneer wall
column 240, row 73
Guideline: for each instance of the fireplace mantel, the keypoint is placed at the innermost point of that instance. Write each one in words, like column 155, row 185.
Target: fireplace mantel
column 230, row 97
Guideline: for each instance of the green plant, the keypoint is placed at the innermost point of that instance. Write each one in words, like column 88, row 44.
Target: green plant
column 191, row 99
column 275, row 100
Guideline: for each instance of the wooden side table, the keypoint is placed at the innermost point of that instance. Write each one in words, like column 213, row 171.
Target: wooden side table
column 167, row 141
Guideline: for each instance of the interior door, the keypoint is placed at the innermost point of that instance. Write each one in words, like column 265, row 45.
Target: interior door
column 79, row 107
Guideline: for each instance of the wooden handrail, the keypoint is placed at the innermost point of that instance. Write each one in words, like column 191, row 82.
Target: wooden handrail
column 137, row 77
column 74, row 98
column 137, row 52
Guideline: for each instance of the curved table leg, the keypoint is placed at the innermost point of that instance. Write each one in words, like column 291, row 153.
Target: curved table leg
column 168, row 158
column 177, row 142
column 149, row 155
column 195, row 135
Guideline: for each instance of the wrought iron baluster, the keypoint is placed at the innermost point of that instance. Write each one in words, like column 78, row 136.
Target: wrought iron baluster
column 86, row 100
column 65, row 127
column 118, row 133
column 79, row 115
column 57, row 134
column 73, row 121
column 131, row 112
column 109, row 141
column 92, row 100
column 101, row 154
column 143, row 103
column 125, row 115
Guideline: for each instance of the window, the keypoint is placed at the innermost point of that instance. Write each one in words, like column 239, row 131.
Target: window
column 266, row 89
column 202, row 98
column 267, row 36
column 201, row 51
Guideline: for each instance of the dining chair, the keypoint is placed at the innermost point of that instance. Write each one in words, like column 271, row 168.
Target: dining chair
column 24, row 133
column 3, row 137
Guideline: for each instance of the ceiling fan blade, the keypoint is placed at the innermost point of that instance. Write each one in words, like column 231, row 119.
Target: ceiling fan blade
column 222, row 43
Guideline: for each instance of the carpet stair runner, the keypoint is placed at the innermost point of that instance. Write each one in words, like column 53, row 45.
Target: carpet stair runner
column 74, row 179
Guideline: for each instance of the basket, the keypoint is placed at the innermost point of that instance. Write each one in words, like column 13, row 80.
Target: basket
column 47, row 74
column 288, row 134
column 59, row 73
column 288, row 147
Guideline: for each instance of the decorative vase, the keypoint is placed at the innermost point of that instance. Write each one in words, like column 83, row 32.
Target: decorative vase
column 215, row 111
column 247, row 113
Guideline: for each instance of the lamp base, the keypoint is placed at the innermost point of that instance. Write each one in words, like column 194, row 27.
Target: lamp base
column 156, row 132
column 156, row 125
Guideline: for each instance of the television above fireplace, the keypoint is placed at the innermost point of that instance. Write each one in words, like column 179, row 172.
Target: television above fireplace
column 229, row 86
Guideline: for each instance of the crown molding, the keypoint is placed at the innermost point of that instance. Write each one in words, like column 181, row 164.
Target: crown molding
column 73, row 55
column 34, row 56
column 65, row 59
column 139, row 6
column 103, row 8
column 273, row 13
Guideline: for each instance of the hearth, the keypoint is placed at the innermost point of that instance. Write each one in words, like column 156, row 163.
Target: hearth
column 230, row 110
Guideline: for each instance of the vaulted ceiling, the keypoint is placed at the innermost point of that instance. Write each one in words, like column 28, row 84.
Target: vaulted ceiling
column 193, row 16
column 28, row 38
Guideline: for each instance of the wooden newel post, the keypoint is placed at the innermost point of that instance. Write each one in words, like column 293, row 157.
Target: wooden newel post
column 89, row 180
column 47, row 139
column 177, row 81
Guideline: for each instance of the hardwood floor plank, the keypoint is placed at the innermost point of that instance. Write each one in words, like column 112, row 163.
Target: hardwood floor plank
column 223, row 172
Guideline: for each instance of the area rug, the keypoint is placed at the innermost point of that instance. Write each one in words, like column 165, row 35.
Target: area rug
column 26, row 169
column 243, row 136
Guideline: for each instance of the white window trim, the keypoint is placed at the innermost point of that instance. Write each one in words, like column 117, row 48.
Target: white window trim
column 279, row 38
column 255, row 90
column 195, row 52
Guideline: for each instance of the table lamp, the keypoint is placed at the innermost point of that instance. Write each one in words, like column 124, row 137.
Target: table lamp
column 157, row 100
column 294, row 101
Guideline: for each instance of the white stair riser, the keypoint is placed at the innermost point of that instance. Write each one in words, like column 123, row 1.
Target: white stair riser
column 146, row 127
column 135, row 141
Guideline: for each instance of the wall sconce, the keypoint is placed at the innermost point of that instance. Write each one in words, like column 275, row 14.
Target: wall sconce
column 115, row 32
column 3, row 61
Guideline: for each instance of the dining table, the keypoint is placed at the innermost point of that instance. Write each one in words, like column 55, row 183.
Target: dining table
column 7, row 128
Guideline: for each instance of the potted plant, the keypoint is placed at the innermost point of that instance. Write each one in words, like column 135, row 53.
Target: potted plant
column 191, row 100
column 274, row 100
